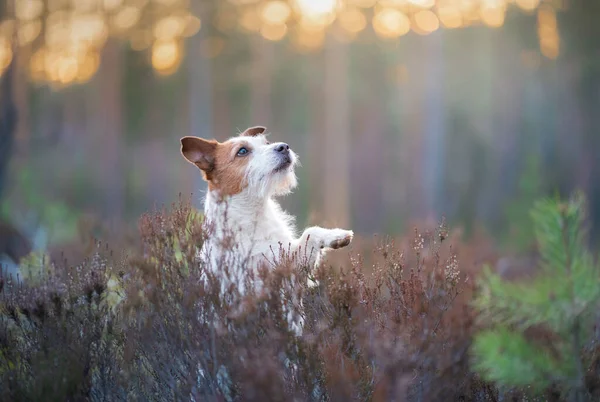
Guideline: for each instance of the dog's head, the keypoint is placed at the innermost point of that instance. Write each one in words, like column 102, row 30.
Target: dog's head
column 246, row 162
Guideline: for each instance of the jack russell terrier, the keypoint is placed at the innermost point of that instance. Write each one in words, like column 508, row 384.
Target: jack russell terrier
column 244, row 175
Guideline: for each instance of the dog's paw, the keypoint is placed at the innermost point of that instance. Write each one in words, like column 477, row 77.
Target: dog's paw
column 339, row 238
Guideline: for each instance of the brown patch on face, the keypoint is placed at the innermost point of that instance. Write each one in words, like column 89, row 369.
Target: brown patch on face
column 229, row 173
column 222, row 168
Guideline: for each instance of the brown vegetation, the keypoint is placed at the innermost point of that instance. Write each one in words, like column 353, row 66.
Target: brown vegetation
column 392, row 325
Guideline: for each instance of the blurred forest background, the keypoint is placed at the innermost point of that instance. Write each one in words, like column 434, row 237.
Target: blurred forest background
column 400, row 110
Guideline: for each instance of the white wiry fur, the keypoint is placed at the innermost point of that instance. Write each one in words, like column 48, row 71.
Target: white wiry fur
column 251, row 228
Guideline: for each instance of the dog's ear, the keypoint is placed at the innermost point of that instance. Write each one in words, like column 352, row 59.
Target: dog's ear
column 254, row 131
column 199, row 151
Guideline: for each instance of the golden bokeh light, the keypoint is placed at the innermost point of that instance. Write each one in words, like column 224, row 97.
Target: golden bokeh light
column 275, row 12
column 401, row 4
column 362, row 3
column 317, row 8
column 84, row 6
column 548, row 32
column 391, row 23
column 57, row 35
column 37, row 65
column 450, row 16
column 426, row 22
column 89, row 29
column 250, row 20
column 27, row 10
column 550, row 47
column 273, row 32
column 65, row 37
column 88, row 66
column 192, row 25
column 61, row 67
column 422, row 3
column 546, row 19
column 316, row 23
column 493, row 16
column 528, row 5
column 352, row 20
column 29, row 31
column 166, row 56
column 308, row 41
column 67, row 68
column 6, row 53
column 7, row 27
column 111, row 5
column 169, row 27
column 126, row 18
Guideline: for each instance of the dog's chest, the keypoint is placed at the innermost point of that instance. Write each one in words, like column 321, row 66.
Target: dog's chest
column 258, row 230
column 270, row 229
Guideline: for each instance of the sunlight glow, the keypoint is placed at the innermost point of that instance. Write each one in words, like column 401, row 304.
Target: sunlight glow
column 126, row 18
column 88, row 66
column 273, row 32
column 450, row 16
column 528, row 5
column 391, row 23
column 493, row 16
column 169, row 28
column 307, row 41
column 275, row 12
column 548, row 33
column 166, row 56
column 422, row 3
column 65, row 37
column 6, row 53
column 192, row 25
column 315, row 8
column 29, row 31
column 426, row 22
column 362, row 3
column 352, row 20
column 250, row 20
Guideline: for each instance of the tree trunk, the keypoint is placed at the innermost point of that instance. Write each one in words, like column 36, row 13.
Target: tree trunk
column 8, row 123
column 433, row 122
column 261, row 80
column 336, row 140
column 200, row 91
column 109, row 130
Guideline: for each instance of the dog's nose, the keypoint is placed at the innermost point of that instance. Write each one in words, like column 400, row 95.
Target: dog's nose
column 282, row 148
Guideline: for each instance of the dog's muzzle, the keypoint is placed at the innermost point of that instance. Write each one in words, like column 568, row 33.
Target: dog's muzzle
column 285, row 157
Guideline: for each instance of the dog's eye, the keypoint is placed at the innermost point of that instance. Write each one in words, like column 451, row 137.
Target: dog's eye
column 243, row 151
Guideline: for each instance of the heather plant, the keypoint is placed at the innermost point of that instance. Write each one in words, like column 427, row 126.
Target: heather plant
column 59, row 338
column 542, row 334
column 157, row 325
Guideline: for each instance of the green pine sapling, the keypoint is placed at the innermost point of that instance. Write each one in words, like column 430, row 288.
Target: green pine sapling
column 561, row 302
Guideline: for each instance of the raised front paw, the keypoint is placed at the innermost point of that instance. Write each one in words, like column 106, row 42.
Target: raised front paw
column 338, row 238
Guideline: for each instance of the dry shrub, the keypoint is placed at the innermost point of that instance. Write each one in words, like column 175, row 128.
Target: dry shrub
column 157, row 325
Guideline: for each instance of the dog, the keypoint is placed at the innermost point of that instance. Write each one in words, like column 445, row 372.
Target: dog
column 245, row 174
